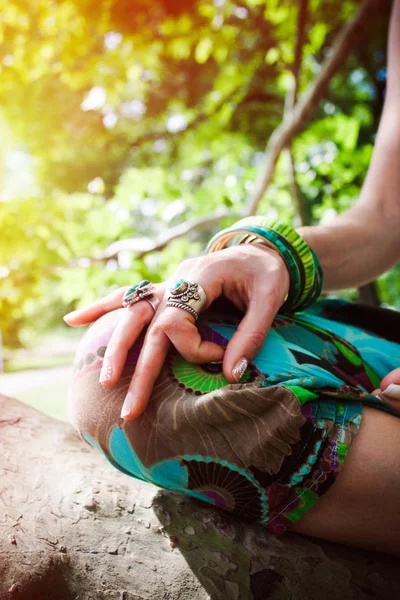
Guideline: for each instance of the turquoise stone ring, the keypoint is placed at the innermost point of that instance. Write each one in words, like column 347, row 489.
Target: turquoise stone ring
column 179, row 286
column 141, row 291
column 187, row 295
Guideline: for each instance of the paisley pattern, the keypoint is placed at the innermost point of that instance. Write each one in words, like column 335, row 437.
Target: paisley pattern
column 266, row 448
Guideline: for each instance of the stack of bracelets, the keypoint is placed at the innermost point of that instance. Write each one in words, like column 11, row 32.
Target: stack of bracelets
column 304, row 268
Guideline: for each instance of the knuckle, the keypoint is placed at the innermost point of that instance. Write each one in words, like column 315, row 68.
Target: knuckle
column 139, row 309
column 154, row 331
column 189, row 355
column 167, row 323
column 256, row 339
column 186, row 265
column 140, row 373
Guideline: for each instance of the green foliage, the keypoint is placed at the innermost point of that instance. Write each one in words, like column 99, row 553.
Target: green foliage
column 138, row 116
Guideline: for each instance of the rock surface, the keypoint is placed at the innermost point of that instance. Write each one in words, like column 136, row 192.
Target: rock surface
column 74, row 528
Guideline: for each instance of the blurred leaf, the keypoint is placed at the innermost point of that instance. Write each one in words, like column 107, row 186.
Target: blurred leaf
column 203, row 50
column 272, row 56
column 75, row 181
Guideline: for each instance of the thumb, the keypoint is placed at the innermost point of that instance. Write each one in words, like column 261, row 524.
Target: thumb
column 249, row 337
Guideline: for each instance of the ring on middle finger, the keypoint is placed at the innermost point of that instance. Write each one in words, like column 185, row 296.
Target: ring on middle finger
column 187, row 295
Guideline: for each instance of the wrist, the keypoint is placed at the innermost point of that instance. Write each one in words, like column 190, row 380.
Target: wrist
column 284, row 273
column 304, row 269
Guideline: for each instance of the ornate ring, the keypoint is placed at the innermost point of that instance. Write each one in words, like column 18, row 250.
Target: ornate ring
column 187, row 295
column 141, row 291
column 153, row 301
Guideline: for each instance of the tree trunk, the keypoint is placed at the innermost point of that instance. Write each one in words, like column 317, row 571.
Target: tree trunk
column 74, row 528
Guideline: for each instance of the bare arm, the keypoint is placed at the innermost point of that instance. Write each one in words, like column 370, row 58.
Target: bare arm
column 363, row 242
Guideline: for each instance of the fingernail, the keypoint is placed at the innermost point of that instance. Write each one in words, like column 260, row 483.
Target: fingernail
column 392, row 391
column 127, row 405
column 239, row 369
column 106, row 372
column 71, row 315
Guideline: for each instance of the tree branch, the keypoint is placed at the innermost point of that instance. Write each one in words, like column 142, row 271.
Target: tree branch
column 347, row 39
column 290, row 103
column 291, row 96
column 303, row 216
column 198, row 120
column 174, row 233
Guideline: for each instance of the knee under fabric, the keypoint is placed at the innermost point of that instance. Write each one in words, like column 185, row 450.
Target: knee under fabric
column 266, row 448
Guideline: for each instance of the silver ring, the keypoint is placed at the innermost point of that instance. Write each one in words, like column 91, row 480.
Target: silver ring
column 141, row 291
column 187, row 295
column 153, row 301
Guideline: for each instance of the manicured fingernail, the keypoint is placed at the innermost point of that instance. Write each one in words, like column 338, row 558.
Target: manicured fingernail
column 71, row 315
column 127, row 406
column 106, row 372
column 392, row 391
column 239, row 369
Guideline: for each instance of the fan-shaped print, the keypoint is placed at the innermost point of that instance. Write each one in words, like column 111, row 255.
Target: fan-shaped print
column 227, row 487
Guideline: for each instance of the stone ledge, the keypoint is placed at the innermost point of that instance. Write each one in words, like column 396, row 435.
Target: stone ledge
column 74, row 528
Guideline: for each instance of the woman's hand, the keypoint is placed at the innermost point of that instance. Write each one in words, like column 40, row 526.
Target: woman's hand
column 390, row 389
column 253, row 277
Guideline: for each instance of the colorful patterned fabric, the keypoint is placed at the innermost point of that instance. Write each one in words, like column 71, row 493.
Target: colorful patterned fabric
column 266, row 448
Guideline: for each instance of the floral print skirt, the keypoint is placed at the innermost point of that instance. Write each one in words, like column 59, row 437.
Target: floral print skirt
column 266, row 448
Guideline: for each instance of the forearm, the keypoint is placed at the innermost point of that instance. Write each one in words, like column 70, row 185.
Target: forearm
column 356, row 247
column 364, row 242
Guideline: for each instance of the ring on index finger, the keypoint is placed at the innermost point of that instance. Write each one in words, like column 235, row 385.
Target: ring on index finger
column 187, row 295
column 144, row 290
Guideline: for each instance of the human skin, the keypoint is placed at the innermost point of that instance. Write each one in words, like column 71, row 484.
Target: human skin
column 364, row 242
column 357, row 246
column 362, row 508
column 254, row 278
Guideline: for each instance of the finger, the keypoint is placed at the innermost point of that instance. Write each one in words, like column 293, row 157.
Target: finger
column 96, row 309
column 100, row 307
column 180, row 328
column 134, row 318
column 390, row 387
column 148, row 368
column 179, row 324
column 249, row 337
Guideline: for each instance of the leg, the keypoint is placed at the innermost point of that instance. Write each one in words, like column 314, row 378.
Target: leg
column 195, row 419
column 362, row 508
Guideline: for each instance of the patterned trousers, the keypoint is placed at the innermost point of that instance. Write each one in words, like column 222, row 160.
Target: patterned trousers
column 266, row 448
